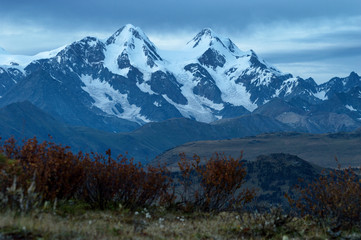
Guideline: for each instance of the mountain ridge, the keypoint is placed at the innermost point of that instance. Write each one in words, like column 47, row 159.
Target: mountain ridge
column 25, row 120
column 123, row 82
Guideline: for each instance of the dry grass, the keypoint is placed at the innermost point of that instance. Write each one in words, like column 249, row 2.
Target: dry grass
column 158, row 225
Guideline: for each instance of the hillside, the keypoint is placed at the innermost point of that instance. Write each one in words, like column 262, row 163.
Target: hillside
column 319, row 149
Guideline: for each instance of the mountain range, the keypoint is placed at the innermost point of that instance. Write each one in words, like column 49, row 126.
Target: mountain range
column 126, row 84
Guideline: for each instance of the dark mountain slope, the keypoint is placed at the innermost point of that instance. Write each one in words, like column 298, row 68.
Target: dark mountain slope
column 319, row 149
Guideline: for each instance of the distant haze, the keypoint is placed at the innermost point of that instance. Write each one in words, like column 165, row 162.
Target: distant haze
column 319, row 39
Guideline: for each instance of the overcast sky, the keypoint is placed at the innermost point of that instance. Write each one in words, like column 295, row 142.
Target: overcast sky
column 309, row 38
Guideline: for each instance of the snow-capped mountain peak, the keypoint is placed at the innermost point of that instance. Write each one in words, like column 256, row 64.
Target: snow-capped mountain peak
column 127, row 34
column 205, row 39
column 213, row 51
column 129, row 46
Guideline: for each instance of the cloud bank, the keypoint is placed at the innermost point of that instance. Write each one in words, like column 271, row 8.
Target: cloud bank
column 307, row 38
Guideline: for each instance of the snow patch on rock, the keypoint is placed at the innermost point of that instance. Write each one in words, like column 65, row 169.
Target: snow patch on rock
column 108, row 100
column 349, row 107
column 321, row 95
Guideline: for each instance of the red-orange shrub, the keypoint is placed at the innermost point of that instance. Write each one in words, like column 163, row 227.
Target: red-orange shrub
column 123, row 181
column 57, row 172
column 9, row 169
column 332, row 197
column 98, row 179
column 214, row 185
column 102, row 180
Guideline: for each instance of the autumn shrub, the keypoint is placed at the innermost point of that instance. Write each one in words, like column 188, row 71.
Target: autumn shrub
column 121, row 181
column 333, row 198
column 17, row 190
column 9, row 169
column 103, row 181
column 13, row 182
column 214, row 185
column 58, row 173
column 98, row 179
column 145, row 186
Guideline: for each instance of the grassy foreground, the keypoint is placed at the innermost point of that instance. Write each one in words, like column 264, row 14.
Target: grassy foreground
column 48, row 192
column 68, row 223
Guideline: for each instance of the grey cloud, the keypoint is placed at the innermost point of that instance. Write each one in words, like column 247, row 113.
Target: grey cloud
column 321, row 64
column 333, row 37
column 314, row 54
column 170, row 14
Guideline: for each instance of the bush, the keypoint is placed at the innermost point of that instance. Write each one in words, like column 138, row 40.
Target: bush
column 98, row 179
column 103, row 181
column 122, row 181
column 334, row 198
column 17, row 191
column 9, row 169
column 220, row 181
column 58, row 172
